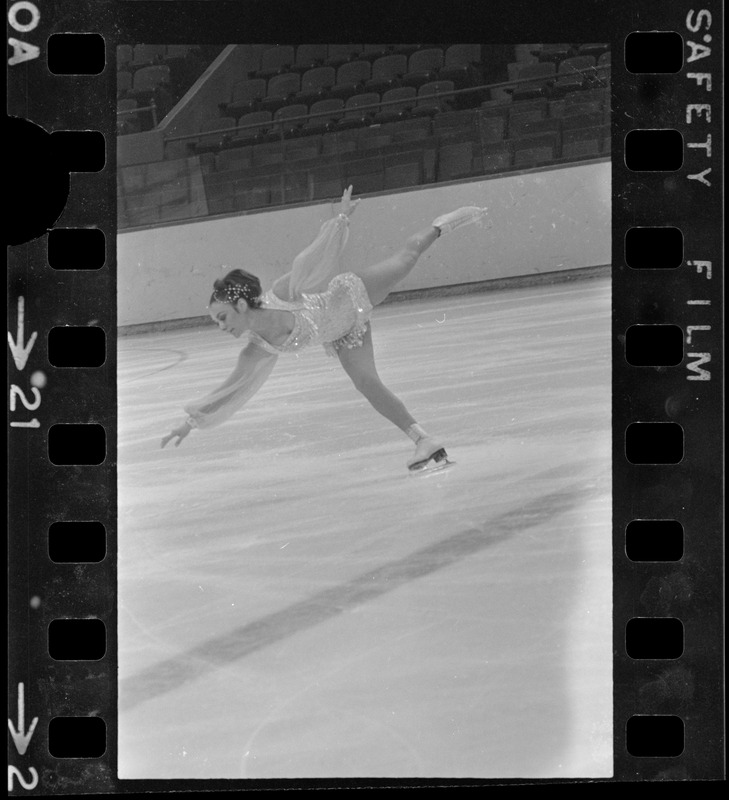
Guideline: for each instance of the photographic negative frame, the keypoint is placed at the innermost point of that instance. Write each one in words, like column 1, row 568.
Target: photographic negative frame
column 63, row 280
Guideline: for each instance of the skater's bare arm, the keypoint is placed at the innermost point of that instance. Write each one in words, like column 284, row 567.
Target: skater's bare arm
column 248, row 375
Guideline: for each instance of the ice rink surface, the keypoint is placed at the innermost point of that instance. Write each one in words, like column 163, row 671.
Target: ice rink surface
column 294, row 604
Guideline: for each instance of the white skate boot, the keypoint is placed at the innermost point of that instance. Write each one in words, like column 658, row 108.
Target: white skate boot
column 461, row 216
column 429, row 455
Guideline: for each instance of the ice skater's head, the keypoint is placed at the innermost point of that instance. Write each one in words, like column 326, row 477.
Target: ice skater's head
column 233, row 298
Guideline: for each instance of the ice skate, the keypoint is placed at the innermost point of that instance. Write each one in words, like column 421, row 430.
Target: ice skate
column 429, row 456
column 456, row 219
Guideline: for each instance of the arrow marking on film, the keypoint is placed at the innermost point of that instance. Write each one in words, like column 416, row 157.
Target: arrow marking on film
column 20, row 350
column 20, row 737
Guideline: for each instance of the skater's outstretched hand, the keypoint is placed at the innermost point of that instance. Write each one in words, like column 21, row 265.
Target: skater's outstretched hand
column 181, row 431
column 348, row 206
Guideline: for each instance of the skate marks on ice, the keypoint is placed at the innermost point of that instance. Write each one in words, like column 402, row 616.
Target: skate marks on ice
column 169, row 675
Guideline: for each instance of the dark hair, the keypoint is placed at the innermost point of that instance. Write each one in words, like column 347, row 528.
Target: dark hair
column 235, row 285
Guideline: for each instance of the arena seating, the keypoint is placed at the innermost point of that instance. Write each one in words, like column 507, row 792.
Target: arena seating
column 304, row 122
column 156, row 77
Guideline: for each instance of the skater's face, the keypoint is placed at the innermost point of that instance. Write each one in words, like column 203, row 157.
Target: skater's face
column 231, row 318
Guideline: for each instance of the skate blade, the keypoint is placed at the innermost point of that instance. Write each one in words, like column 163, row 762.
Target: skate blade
column 424, row 472
column 432, row 465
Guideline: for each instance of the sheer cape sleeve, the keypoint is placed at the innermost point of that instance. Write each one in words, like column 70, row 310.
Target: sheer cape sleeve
column 314, row 267
column 222, row 403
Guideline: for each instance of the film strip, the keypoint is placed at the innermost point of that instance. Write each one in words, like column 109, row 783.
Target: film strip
column 667, row 159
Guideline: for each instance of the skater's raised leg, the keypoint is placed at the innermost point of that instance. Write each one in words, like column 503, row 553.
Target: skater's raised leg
column 359, row 364
column 380, row 279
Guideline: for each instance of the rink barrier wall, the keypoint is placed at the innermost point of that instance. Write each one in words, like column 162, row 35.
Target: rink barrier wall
column 540, row 222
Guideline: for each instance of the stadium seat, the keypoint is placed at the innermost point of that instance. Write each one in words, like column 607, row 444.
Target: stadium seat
column 126, row 104
column 540, row 75
column 554, row 52
column 285, row 115
column 149, row 84
column 173, row 51
column 374, row 51
column 575, row 64
column 352, row 77
column 338, row 54
column 571, row 75
column 430, row 101
column 315, row 84
column 459, row 64
column 423, row 67
column 126, row 125
column 252, row 127
column 400, row 102
column 603, row 67
column 275, row 61
column 280, row 90
column 386, row 72
column 359, row 111
column 405, row 49
column 146, row 55
column 309, row 56
column 323, row 115
column 592, row 49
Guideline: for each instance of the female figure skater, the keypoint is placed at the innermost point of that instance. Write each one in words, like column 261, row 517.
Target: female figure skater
column 316, row 303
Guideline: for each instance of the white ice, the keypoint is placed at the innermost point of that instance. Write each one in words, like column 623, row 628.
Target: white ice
column 293, row 603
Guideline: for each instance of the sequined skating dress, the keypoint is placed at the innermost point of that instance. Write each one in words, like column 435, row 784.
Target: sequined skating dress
column 330, row 308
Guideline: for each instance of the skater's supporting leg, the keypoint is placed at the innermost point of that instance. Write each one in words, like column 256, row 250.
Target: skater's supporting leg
column 380, row 279
column 359, row 364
